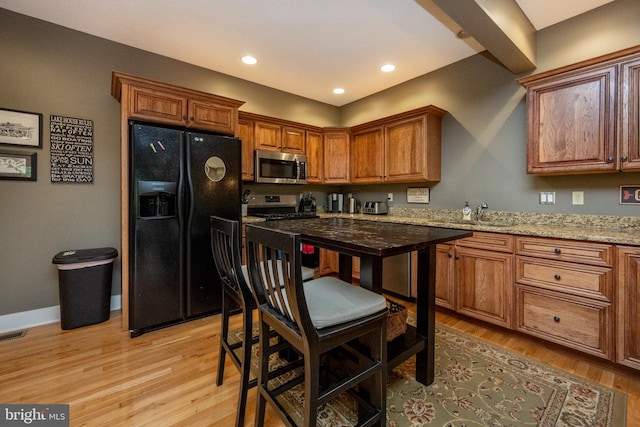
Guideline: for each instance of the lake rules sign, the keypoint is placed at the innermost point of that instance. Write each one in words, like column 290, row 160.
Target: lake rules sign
column 71, row 149
column 630, row 194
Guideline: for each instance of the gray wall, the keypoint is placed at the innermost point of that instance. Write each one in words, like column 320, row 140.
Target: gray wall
column 484, row 133
column 53, row 70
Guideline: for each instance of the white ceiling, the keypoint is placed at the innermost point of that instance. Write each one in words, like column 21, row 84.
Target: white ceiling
column 305, row 47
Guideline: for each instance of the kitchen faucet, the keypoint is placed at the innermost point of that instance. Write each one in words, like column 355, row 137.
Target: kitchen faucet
column 480, row 210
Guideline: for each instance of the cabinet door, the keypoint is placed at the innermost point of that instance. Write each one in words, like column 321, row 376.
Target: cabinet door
column 336, row 158
column 293, row 140
column 267, row 136
column 571, row 123
column 405, row 151
column 244, row 131
column 445, row 283
column 484, row 280
column 315, row 156
column 628, row 313
column 328, row 262
column 213, row 117
column 630, row 116
column 157, row 106
column 367, row 161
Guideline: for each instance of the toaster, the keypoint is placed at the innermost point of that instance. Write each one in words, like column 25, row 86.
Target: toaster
column 375, row 208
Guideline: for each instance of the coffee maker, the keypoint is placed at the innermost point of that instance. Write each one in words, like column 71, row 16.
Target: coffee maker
column 335, row 202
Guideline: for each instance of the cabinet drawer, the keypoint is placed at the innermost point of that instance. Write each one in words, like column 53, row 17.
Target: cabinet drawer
column 489, row 241
column 577, row 279
column 580, row 323
column 565, row 250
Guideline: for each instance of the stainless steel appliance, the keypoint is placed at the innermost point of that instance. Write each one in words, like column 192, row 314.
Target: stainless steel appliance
column 283, row 206
column 396, row 275
column 335, row 203
column 274, row 167
column 354, row 205
column 177, row 180
column 375, row 208
column 276, row 207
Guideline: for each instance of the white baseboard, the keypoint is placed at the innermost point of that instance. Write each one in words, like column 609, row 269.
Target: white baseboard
column 42, row 316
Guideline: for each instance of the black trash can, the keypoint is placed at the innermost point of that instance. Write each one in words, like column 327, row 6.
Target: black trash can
column 85, row 286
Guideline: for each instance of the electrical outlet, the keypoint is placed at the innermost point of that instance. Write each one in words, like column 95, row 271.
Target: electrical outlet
column 578, row 197
column 390, row 197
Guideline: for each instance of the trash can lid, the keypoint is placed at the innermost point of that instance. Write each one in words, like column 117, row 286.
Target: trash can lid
column 84, row 255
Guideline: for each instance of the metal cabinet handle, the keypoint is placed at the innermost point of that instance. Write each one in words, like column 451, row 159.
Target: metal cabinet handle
column 624, row 158
column 557, row 250
column 557, row 277
column 556, row 319
column 449, row 255
column 609, row 159
column 457, row 256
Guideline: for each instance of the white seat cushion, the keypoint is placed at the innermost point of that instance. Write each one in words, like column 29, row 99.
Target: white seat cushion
column 332, row 301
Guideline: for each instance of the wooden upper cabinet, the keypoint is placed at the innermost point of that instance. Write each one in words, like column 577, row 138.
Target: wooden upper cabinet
column 630, row 115
column 336, row 157
column 267, row 136
column 276, row 137
column 315, row 157
column 244, row 131
column 367, row 156
column 293, row 140
column 574, row 112
column 173, row 105
column 401, row 148
column 157, row 106
column 571, row 122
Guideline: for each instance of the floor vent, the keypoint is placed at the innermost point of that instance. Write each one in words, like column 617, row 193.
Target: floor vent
column 12, row 335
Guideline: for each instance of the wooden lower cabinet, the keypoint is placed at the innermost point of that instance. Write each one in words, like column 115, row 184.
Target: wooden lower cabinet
column 577, row 322
column 474, row 277
column 628, row 313
column 485, row 281
column 445, row 283
column 565, row 293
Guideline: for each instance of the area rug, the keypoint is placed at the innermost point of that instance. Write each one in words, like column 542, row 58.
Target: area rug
column 480, row 384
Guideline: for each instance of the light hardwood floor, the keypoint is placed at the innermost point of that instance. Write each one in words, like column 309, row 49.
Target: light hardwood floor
column 167, row 377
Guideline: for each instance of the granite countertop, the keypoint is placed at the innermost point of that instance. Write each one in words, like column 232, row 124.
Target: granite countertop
column 623, row 230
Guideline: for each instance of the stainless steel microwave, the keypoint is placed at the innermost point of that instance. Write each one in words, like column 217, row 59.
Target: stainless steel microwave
column 280, row 168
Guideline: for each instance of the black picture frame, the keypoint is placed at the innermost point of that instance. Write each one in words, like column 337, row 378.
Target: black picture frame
column 20, row 128
column 18, row 166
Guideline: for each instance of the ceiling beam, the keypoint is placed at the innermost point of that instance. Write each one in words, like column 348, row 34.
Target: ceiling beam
column 498, row 25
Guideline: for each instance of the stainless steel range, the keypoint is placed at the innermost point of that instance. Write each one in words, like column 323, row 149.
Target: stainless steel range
column 279, row 206
column 283, row 206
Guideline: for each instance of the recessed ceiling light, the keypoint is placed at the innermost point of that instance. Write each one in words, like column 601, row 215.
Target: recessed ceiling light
column 387, row 68
column 249, row 60
column 338, row 91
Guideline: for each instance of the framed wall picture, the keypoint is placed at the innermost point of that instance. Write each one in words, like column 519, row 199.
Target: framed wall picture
column 18, row 166
column 20, row 128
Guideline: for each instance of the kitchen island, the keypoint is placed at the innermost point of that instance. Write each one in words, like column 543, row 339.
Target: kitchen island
column 372, row 242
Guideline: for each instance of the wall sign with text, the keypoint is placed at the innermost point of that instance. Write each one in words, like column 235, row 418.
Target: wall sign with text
column 630, row 194
column 71, row 149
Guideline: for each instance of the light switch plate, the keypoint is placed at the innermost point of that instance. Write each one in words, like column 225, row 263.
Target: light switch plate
column 577, row 197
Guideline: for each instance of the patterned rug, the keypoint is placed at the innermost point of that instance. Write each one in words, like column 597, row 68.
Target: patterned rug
column 479, row 384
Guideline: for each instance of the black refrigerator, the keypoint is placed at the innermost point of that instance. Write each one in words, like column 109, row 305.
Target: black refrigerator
column 178, row 179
